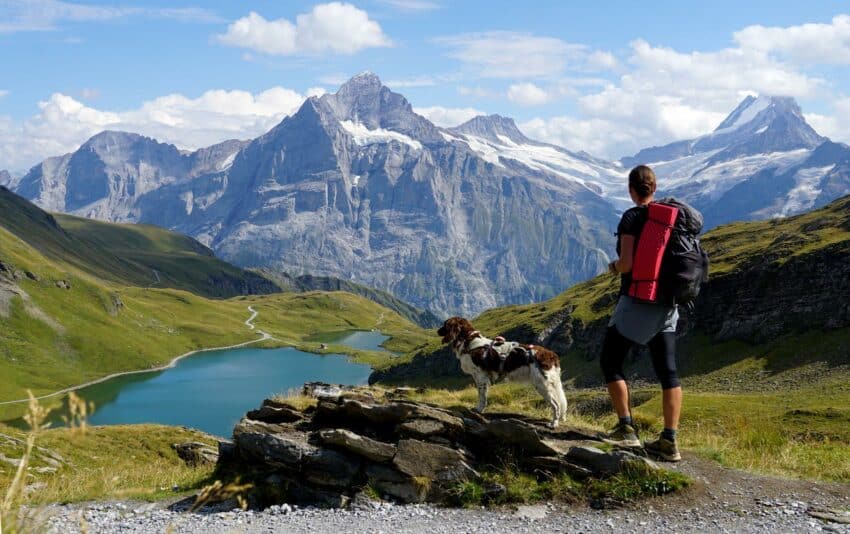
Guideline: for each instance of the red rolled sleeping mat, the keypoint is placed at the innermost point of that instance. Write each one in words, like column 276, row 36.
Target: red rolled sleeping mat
column 650, row 250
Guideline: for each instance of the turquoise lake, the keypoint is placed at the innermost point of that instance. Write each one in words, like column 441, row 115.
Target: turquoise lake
column 210, row 391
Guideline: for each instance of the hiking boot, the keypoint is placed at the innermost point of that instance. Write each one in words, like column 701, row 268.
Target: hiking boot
column 663, row 449
column 622, row 436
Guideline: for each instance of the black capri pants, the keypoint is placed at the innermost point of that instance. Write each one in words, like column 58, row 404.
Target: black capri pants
column 662, row 347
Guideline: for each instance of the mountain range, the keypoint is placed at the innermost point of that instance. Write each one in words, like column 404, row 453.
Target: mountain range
column 763, row 161
column 358, row 186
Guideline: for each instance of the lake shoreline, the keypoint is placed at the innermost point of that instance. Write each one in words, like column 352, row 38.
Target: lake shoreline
column 170, row 365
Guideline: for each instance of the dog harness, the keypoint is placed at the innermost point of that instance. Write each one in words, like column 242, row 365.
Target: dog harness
column 498, row 348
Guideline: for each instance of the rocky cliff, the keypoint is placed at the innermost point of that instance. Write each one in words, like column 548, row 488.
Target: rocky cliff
column 771, row 280
column 356, row 185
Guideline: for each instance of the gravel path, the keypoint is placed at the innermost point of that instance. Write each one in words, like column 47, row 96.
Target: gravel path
column 787, row 516
column 721, row 500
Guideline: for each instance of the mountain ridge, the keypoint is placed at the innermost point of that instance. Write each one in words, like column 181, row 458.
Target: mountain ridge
column 355, row 185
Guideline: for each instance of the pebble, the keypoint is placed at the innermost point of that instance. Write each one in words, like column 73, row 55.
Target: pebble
column 427, row 519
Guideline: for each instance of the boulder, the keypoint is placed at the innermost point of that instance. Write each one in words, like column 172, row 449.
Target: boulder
column 325, row 467
column 429, row 460
column 274, row 445
column 391, row 483
column 370, row 449
column 277, row 413
column 602, row 463
column 422, row 427
column 195, row 453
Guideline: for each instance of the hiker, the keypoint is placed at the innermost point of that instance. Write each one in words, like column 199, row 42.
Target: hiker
column 637, row 322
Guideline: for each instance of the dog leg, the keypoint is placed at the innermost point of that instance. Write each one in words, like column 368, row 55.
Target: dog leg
column 483, row 389
column 558, row 388
column 543, row 385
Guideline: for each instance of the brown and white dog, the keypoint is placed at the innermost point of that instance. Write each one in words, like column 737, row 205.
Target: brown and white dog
column 487, row 360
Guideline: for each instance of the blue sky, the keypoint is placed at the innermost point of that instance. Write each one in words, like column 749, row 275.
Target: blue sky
column 607, row 77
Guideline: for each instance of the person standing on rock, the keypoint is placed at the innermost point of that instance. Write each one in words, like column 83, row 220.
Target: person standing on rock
column 635, row 322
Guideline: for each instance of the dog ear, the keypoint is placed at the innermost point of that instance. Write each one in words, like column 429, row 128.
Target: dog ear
column 465, row 327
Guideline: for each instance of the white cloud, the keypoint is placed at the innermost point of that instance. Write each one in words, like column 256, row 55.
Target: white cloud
column 502, row 54
column 63, row 123
column 806, row 43
column 602, row 60
column 45, row 15
column 3, row 93
column 448, row 117
column 316, row 91
column 335, row 27
column 833, row 126
column 527, row 94
column 665, row 95
column 412, row 5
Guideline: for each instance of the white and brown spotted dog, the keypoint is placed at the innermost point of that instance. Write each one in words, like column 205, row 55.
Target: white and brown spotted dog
column 487, row 360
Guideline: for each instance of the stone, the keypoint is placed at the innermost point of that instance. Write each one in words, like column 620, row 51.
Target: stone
column 493, row 491
column 195, row 453
column 276, row 414
column 226, row 451
column 371, row 449
column 391, row 483
column 323, row 498
column 603, row 463
column 325, row 467
column 271, row 444
column 422, row 459
column 422, row 427
column 32, row 276
column 516, row 434
column 557, row 464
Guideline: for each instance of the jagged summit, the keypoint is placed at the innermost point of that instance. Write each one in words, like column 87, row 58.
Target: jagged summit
column 491, row 127
column 758, row 125
column 364, row 100
column 759, row 109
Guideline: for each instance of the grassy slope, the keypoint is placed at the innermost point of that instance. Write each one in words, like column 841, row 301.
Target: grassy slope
column 127, row 462
column 730, row 247
column 124, row 253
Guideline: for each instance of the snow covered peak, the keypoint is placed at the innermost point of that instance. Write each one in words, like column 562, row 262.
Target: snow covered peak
column 758, row 125
column 491, row 127
column 757, row 112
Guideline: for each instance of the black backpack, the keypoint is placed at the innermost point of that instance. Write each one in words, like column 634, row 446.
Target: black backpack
column 684, row 266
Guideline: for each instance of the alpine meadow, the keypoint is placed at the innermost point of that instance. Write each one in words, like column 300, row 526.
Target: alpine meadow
column 314, row 267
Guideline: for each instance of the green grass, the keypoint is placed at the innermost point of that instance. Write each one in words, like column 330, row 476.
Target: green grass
column 296, row 318
column 126, row 462
column 124, row 254
column 803, row 433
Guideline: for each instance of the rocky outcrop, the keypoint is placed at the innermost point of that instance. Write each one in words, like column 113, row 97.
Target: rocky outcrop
column 405, row 451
